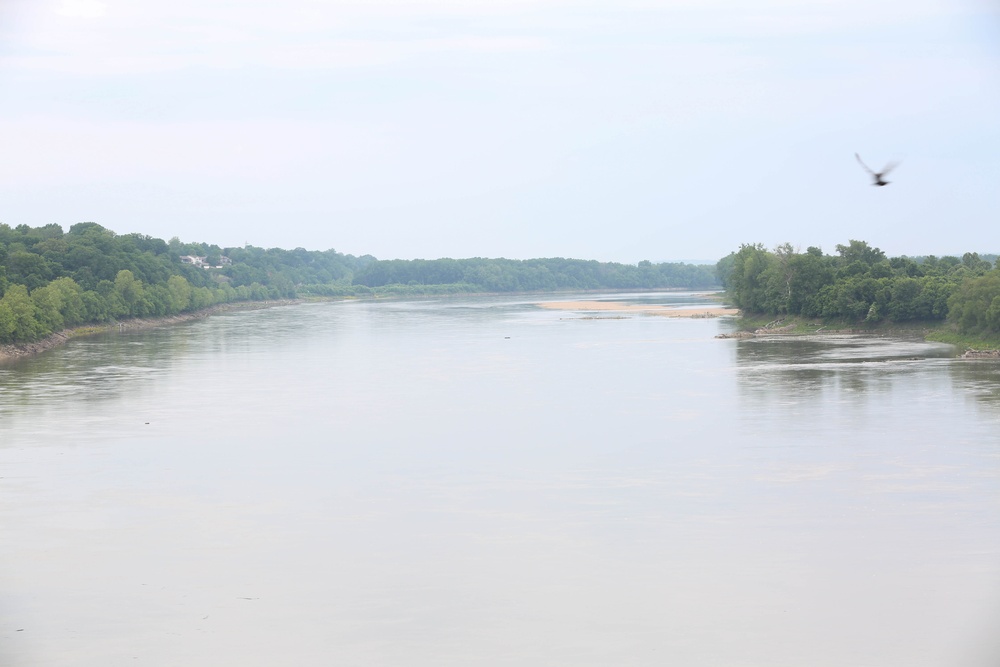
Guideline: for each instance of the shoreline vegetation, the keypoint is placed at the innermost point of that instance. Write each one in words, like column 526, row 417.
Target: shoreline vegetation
column 13, row 352
column 973, row 347
column 54, row 281
column 967, row 346
column 56, row 285
column 750, row 326
column 954, row 300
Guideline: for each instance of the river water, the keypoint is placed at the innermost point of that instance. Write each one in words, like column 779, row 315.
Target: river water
column 485, row 482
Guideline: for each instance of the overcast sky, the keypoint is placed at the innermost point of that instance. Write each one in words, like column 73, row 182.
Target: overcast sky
column 600, row 129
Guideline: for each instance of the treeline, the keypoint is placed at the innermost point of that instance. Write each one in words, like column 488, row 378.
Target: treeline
column 51, row 279
column 861, row 284
column 512, row 275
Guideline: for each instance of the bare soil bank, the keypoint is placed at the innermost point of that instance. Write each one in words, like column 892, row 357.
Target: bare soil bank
column 21, row 350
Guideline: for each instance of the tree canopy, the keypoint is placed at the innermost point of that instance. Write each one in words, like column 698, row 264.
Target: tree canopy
column 51, row 279
column 861, row 284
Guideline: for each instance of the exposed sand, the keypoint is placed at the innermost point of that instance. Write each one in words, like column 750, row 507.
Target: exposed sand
column 650, row 309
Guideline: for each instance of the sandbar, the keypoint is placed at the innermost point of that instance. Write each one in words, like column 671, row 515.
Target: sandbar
column 646, row 309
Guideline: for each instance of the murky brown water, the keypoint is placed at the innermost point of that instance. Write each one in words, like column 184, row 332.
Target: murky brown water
column 484, row 482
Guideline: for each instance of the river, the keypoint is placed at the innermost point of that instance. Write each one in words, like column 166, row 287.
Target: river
column 480, row 481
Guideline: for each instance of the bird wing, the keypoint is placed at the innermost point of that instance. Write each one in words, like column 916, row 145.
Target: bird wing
column 889, row 167
column 861, row 162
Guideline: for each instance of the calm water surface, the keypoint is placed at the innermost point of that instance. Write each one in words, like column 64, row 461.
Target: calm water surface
column 484, row 482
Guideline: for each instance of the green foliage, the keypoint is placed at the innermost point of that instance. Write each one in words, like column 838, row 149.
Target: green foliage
column 128, row 293
column 50, row 279
column 860, row 284
column 975, row 305
column 753, row 281
column 976, row 341
column 480, row 274
column 179, row 293
column 19, row 317
column 859, row 251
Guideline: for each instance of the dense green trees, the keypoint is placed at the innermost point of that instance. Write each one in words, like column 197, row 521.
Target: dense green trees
column 51, row 279
column 512, row 275
column 975, row 305
column 860, row 283
column 18, row 319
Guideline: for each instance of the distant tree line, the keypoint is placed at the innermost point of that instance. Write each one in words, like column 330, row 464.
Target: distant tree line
column 513, row 275
column 861, row 284
column 51, row 279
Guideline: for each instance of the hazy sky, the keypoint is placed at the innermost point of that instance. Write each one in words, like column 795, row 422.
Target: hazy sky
column 600, row 129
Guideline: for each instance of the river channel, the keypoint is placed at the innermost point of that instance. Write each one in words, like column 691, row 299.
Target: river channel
column 481, row 481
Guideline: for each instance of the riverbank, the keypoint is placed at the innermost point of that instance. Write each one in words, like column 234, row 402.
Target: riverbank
column 969, row 346
column 14, row 352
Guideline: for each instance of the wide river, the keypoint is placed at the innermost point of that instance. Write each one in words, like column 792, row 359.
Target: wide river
column 486, row 482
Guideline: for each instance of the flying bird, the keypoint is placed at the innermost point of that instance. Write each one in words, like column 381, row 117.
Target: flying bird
column 878, row 176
